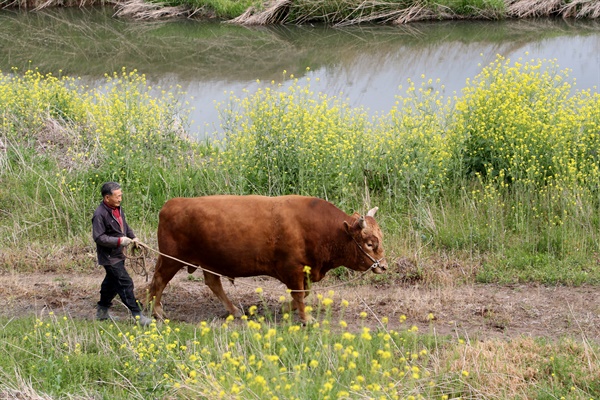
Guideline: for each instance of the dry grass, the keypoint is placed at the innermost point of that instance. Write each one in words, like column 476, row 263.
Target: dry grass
column 277, row 11
column 511, row 369
column 547, row 8
column 434, row 270
column 37, row 5
column 417, row 12
column 347, row 12
column 3, row 154
column 24, row 391
column 350, row 12
column 274, row 13
column 143, row 10
column 46, row 258
column 532, row 8
column 581, row 9
column 56, row 138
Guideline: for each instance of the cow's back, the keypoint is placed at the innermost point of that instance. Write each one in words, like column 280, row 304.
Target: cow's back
column 242, row 235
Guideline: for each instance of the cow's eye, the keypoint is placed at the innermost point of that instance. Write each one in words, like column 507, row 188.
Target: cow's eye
column 370, row 245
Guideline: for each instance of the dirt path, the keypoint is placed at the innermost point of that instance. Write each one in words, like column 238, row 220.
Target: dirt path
column 476, row 311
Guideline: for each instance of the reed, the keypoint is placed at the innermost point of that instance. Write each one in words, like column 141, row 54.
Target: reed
column 551, row 8
column 350, row 12
column 344, row 12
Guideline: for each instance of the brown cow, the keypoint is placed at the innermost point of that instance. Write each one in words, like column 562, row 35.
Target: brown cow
column 240, row 236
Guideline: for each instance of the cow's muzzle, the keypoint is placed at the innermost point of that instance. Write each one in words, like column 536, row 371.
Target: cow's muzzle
column 379, row 266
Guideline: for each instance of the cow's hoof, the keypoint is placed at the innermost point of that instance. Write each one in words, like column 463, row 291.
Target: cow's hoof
column 236, row 314
column 309, row 320
column 159, row 315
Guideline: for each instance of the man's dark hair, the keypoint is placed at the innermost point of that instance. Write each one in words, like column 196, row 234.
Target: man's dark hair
column 109, row 187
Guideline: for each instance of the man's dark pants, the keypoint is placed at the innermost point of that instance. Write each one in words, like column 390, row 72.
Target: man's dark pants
column 117, row 282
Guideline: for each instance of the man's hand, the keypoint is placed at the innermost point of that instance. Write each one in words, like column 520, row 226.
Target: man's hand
column 136, row 243
column 125, row 241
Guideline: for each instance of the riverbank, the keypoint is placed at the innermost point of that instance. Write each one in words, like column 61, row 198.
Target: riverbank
column 504, row 176
column 349, row 12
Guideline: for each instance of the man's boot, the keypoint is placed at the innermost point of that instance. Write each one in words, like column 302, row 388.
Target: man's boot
column 102, row 314
column 141, row 319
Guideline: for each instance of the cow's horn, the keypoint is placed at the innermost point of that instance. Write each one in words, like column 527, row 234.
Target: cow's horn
column 362, row 223
column 372, row 211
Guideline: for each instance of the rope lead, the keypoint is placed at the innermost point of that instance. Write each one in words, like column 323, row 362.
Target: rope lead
column 145, row 272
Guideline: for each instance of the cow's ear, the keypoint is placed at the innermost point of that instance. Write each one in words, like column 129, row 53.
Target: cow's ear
column 347, row 227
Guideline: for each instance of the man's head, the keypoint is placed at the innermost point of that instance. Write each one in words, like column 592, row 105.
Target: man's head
column 111, row 194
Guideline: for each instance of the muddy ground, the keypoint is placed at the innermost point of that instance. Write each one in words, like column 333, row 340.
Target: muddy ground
column 475, row 311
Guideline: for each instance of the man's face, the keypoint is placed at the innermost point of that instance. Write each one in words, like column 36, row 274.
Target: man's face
column 114, row 199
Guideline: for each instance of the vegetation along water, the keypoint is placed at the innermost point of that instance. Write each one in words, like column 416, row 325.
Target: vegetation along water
column 346, row 12
column 507, row 170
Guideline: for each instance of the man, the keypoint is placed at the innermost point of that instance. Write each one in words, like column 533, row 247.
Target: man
column 111, row 234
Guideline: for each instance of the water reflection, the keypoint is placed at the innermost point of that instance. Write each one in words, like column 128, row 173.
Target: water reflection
column 365, row 64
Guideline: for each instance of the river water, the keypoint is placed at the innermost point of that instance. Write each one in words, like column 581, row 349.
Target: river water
column 363, row 64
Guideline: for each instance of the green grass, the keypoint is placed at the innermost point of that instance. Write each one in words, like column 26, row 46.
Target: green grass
column 56, row 356
column 223, row 9
column 471, row 8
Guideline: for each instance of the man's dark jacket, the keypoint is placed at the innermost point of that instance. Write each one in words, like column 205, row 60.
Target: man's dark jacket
column 106, row 232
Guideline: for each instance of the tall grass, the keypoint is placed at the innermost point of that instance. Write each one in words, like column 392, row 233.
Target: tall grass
column 505, row 171
column 64, row 140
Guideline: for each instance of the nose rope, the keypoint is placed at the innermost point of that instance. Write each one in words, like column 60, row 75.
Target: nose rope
column 376, row 263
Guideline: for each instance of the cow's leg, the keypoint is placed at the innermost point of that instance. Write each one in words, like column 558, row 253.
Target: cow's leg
column 165, row 271
column 298, row 294
column 214, row 283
